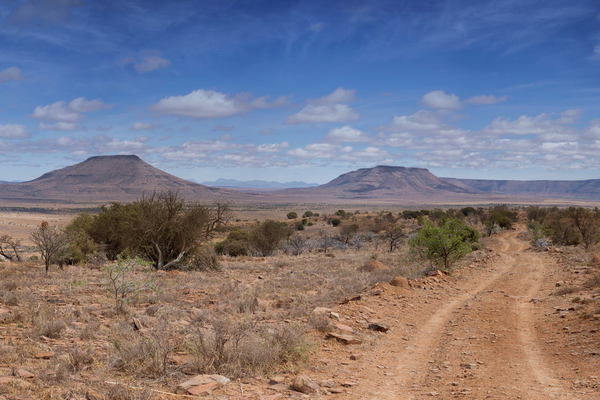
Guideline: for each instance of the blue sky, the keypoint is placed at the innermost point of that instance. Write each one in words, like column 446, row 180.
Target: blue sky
column 303, row 90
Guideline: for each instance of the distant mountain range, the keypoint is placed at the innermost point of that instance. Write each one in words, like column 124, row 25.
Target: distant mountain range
column 103, row 179
column 257, row 184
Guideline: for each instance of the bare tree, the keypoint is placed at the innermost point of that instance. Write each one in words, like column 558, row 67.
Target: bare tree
column 394, row 236
column 52, row 241
column 9, row 248
column 296, row 245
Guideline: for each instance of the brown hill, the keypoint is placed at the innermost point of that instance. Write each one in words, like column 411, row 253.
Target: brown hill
column 588, row 189
column 387, row 182
column 110, row 178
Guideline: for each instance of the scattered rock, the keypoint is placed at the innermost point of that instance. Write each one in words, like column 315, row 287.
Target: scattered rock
column 280, row 387
column 560, row 283
column 202, row 381
column 203, row 390
column 44, row 355
column 137, row 325
column 328, row 383
column 305, row 385
column 400, row 281
column 6, row 379
column 93, row 395
column 374, row 265
column 468, row 365
column 335, row 316
column 355, row 357
column 247, row 381
column 344, row 339
column 378, row 326
column 276, row 380
column 344, row 328
column 23, row 373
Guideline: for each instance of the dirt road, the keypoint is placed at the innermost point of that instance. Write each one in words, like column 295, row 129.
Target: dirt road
column 479, row 340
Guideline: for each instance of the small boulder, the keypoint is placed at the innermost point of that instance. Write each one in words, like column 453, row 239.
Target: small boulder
column 328, row 383
column 378, row 326
column 595, row 260
column 93, row 395
column 305, row 385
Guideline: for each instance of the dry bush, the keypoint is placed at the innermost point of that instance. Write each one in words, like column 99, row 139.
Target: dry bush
column 147, row 355
column 565, row 290
column 10, row 285
column 48, row 324
column 90, row 331
column 79, row 359
column 122, row 392
column 241, row 348
column 592, row 282
column 320, row 322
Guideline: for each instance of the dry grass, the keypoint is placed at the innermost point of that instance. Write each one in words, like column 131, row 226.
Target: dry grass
column 253, row 317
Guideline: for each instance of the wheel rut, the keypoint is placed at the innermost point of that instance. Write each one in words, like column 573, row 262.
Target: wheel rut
column 480, row 342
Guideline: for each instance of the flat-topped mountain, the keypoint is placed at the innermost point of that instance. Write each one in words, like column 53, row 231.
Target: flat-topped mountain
column 388, row 182
column 109, row 178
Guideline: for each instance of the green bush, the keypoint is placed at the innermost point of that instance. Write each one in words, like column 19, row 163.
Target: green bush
column 292, row 215
column 443, row 246
column 266, row 237
column 299, row 226
column 336, row 221
column 307, row 214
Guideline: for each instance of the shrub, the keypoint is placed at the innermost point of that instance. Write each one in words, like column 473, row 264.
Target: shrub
column 443, row 246
column 121, row 280
column 162, row 227
column 265, row 238
column 307, row 214
column 292, row 215
column 340, row 213
column 51, row 241
column 336, row 221
column 299, row 226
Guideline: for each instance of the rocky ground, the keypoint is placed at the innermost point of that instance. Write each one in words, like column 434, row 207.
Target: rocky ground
column 514, row 324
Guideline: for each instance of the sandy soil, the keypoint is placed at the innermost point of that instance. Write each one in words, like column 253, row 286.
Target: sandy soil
column 485, row 335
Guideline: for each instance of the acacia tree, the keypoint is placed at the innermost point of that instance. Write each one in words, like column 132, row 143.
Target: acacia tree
column 52, row 241
column 9, row 248
column 393, row 235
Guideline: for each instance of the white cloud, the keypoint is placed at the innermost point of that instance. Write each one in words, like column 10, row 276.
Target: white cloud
column 59, row 126
column 211, row 104
column 487, row 100
column 439, row 100
column 146, row 61
column 13, row 131
column 272, row 148
column 72, row 112
column 422, row 122
column 339, row 95
column 11, row 74
column 346, row 134
column 315, row 150
column 138, row 126
column 525, row 125
column 327, row 109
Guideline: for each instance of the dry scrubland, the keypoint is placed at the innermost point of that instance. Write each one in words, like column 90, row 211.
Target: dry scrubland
column 253, row 320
